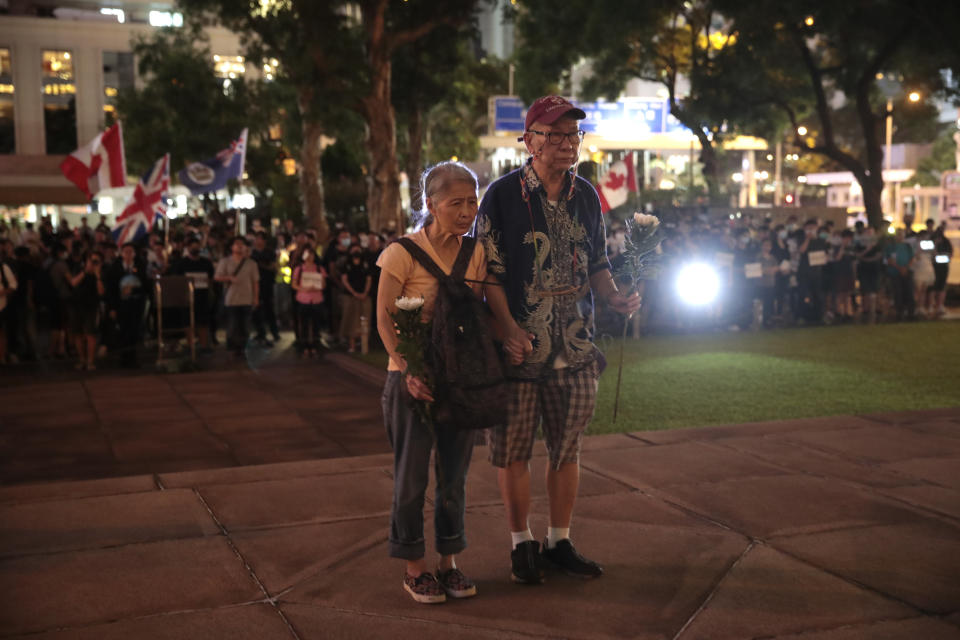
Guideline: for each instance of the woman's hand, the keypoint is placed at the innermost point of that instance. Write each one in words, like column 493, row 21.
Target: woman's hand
column 418, row 389
column 518, row 344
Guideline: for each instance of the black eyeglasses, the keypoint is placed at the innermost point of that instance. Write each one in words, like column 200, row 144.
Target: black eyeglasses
column 557, row 137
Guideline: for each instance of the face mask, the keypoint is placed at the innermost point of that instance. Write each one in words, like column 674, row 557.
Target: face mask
column 345, row 242
column 364, row 241
column 791, row 227
column 306, row 254
column 824, row 235
column 782, row 235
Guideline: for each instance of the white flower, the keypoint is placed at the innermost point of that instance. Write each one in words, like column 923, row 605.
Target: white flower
column 645, row 220
column 409, row 304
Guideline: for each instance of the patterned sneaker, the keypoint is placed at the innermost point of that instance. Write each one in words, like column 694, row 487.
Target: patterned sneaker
column 525, row 561
column 424, row 588
column 564, row 557
column 456, row 584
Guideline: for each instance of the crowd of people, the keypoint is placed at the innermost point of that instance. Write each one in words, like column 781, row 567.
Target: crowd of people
column 72, row 293
column 93, row 298
column 797, row 272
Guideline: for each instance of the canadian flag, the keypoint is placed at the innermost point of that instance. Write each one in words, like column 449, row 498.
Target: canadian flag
column 617, row 183
column 100, row 164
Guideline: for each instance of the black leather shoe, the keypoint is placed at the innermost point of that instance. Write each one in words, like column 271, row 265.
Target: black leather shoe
column 525, row 559
column 564, row 557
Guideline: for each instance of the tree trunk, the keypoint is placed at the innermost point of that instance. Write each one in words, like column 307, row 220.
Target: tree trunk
column 708, row 155
column 311, row 182
column 383, row 197
column 414, row 155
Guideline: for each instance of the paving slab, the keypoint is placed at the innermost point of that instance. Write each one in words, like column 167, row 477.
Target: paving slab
column 157, row 443
column 240, row 406
column 287, row 556
column 323, row 623
column 52, row 419
column 277, row 471
column 655, row 579
column 224, row 425
column 783, row 505
column 921, row 415
column 831, row 423
column 46, row 592
column 769, row 594
column 913, row 629
column 90, row 523
column 939, row 499
column 917, row 562
column 282, row 445
column 166, row 414
column 878, row 444
column 945, row 428
column 300, row 500
column 941, row 470
column 800, row 458
column 24, row 493
column 244, row 622
column 681, row 463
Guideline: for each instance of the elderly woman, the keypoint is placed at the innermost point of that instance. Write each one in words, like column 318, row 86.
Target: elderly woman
column 449, row 192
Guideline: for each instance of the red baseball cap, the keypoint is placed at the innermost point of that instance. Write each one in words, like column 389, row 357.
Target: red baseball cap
column 549, row 109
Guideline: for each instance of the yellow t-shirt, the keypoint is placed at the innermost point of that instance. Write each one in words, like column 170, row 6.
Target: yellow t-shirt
column 416, row 280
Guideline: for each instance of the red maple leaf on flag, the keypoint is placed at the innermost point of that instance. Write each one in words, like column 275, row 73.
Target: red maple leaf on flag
column 614, row 181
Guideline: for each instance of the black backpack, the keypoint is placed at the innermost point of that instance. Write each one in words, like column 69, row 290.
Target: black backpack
column 470, row 389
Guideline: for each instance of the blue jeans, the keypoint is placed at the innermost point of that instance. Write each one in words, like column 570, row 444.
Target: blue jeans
column 412, row 444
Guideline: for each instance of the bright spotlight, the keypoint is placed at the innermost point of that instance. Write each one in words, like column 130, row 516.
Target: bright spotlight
column 698, row 284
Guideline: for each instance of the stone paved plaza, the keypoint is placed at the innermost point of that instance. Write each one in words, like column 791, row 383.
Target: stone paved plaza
column 236, row 504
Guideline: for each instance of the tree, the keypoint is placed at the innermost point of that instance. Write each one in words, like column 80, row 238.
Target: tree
column 316, row 47
column 842, row 51
column 440, row 94
column 673, row 43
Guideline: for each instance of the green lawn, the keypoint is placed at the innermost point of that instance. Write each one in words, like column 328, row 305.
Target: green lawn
column 696, row 380
column 685, row 381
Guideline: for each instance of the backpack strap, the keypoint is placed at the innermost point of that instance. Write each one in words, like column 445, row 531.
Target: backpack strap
column 459, row 272
column 422, row 257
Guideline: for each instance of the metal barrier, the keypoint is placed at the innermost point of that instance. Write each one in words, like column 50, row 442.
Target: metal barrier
column 175, row 292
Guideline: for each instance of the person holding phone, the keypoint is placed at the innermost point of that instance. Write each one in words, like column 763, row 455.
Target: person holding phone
column 88, row 289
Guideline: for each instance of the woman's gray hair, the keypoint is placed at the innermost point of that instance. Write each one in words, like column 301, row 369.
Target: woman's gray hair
column 436, row 179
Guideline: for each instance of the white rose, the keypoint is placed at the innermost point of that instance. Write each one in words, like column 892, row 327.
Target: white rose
column 645, row 220
column 409, row 304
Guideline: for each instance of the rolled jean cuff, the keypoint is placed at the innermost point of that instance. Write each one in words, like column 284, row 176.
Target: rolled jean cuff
column 406, row 550
column 451, row 546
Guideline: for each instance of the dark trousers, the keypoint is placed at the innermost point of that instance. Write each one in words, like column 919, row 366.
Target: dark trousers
column 264, row 316
column 903, row 298
column 311, row 320
column 811, row 294
column 238, row 326
column 412, row 443
column 129, row 321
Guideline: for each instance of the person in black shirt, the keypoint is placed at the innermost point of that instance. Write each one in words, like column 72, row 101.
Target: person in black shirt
column 126, row 294
column 813, row 256
column 23, row 311
column 84, row 310
column 942, row 256
column 356, row 279
column 200, row 269
column 264, row 316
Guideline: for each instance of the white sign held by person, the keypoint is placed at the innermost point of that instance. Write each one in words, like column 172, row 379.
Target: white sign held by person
column 817, row 258
column 724, row 259
column 753, row 270
column 311, row 280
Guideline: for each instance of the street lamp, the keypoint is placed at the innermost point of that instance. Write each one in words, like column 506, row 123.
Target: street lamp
column 913, row 96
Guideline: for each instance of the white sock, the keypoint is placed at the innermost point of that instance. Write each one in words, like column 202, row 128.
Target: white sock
column 555, row 535
column 521, row 536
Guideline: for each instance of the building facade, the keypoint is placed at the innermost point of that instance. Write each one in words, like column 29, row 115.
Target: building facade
column 62, row 65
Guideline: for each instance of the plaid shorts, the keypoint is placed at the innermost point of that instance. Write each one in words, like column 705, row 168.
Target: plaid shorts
column 564, row 400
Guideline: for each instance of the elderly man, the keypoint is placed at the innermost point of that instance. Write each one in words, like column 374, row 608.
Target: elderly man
column 544, row 237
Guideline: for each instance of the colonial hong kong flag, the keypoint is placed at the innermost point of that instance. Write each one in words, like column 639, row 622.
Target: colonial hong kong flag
column 147, row 204
column 617, row 183
column 99, row 164
column 212, row 175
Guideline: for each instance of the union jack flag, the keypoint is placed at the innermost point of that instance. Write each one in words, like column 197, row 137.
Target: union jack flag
column 237, row 146
column 146, row 206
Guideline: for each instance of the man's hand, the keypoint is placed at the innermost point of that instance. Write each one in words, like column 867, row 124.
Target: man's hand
column 627, row 305
column 518, row 344
column 418, row 389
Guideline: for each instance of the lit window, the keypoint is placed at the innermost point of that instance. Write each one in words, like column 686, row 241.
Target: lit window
column 117, row 75
column 165, row 19
column 229, row 67
column 119, row 13
column 59, row 102
column 7, row 139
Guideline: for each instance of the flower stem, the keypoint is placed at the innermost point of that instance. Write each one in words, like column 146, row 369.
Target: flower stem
column 623, row 339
